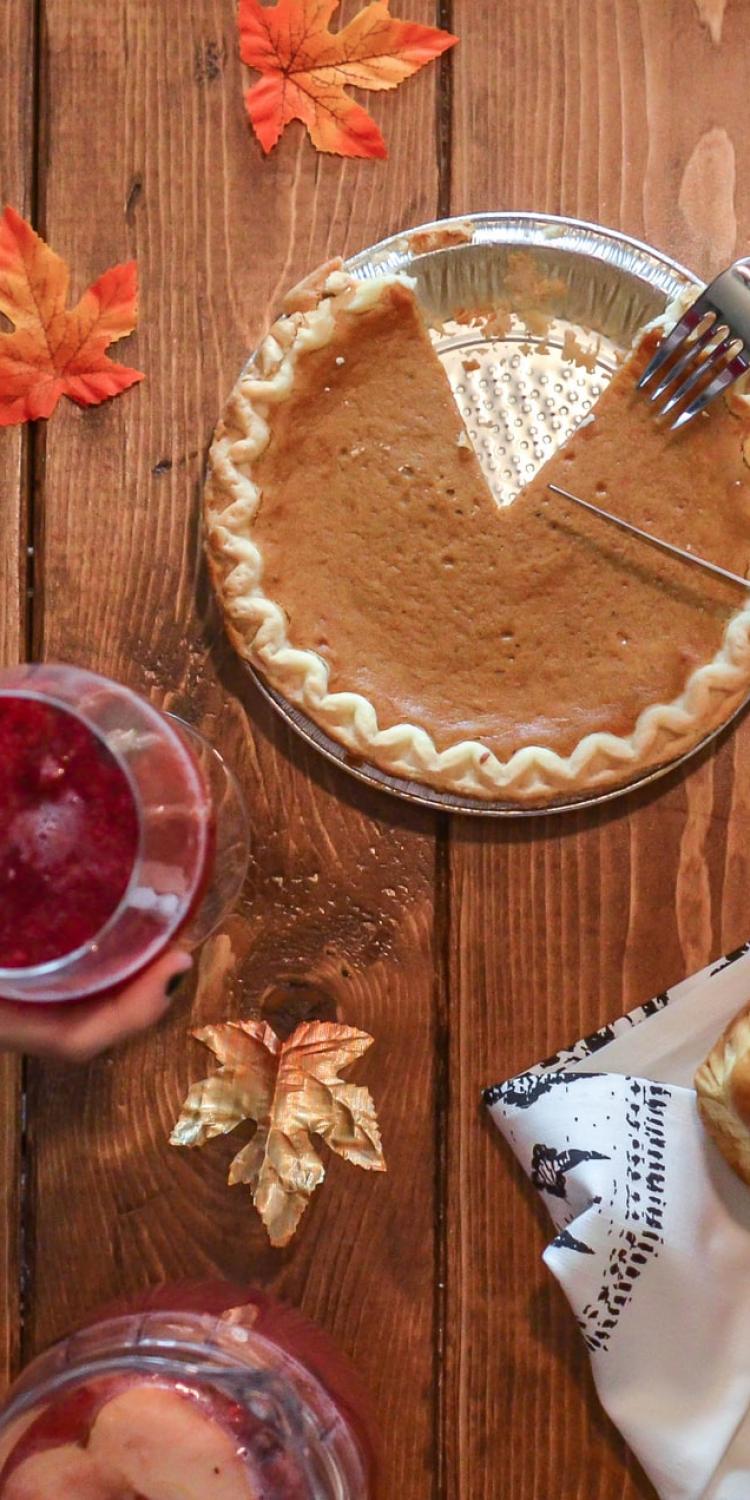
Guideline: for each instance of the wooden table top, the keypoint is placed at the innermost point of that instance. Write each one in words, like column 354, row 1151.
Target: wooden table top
column 467, row 949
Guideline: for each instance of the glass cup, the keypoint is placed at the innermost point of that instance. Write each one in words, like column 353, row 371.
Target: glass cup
column 217, row 1393
column 190, row 838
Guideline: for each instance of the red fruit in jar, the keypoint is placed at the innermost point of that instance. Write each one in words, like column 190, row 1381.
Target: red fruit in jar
column 64, row 1473
column 65, row 1423
column 163, row 1445
column 140, row 1439
column 269, row 1414
column 68, row 832
column 309, row 1345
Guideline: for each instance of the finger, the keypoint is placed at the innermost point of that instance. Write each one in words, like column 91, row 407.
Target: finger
column 78, row 1031
column 140, row 1005
column 26, row 1028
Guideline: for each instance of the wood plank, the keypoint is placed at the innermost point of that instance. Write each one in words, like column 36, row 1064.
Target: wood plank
column 16, row 158
column 146, row 128
column 559, row 926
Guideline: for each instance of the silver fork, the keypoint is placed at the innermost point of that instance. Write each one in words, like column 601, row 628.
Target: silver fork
column 712, row 345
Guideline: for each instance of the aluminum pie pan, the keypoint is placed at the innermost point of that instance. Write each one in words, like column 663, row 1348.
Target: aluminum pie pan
column 522, row 400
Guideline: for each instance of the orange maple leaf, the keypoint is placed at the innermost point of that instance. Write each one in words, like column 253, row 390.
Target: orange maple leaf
column 56, row 351
column 306, row 67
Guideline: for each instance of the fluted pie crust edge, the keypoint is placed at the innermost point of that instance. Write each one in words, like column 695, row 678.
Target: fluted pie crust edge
column 257, row 624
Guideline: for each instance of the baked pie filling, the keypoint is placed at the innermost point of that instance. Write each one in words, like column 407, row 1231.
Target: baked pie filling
column 522, row 653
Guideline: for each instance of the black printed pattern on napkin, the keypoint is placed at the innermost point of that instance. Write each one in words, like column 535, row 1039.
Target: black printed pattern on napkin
column 526, row 1088
column 731, row 958
column 634, row 1233
column 637, row 1236
column 567, row 1241
column 530, row 1080
column 588, row 1045
column 549, row 1168
column 641, row 1236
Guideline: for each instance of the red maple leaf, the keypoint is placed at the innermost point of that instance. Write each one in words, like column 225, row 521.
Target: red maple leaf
column 53, row 350
column 306, row 68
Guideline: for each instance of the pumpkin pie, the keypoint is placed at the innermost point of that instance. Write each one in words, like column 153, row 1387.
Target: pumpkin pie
column 527, row 653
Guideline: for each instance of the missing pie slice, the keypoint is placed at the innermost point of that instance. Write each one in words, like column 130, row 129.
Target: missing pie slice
column 525, row 653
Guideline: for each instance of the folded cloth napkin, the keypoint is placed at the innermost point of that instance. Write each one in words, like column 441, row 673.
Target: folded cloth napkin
column 652, row 1242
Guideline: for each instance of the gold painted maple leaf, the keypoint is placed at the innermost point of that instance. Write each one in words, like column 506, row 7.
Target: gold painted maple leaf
column 293, row 1092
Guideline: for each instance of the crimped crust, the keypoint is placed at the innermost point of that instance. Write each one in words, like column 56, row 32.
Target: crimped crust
column 723, row 1087
column 257, row 625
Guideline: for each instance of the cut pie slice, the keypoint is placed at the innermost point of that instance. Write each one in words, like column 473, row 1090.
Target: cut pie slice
column 524, row 653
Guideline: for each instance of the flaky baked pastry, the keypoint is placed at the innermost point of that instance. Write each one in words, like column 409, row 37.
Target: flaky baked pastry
column 722, row 1083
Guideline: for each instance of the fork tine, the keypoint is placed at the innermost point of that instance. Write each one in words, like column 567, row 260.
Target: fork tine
column 689, row 320
column 702, row 370
column 695, row 347
column 698, row 404
column 706, row 351
column 725, row 377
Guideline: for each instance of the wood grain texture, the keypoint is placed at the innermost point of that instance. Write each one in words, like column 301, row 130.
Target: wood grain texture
column 144, row 124
column 542, row 931
column 16, row 163
column 558, row 926
column 16, row 158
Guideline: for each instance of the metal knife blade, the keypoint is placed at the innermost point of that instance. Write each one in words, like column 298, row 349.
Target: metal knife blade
column 656, row 541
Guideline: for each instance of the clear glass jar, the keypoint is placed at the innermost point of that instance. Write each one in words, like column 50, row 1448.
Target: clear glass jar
column 252, row 1402
column 180, row 876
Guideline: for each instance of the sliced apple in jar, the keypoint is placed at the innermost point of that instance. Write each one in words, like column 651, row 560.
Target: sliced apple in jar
column 67, row 1472
column 158, row 1443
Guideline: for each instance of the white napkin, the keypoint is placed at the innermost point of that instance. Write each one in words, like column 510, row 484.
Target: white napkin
column 652, row 1243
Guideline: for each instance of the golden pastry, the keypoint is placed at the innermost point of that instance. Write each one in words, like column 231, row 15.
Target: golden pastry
column 723, row 1087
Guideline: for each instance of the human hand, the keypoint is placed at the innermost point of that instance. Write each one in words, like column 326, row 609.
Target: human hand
column 76, row 1031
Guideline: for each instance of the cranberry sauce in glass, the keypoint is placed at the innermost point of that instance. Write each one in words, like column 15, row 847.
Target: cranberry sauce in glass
column 216, row 1393
column 69, row 832
column 107, row 833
